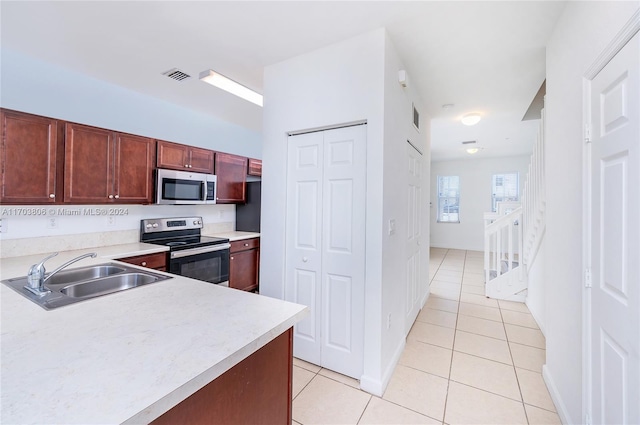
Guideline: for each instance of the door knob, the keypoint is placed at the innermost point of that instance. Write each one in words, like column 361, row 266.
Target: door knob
column 52, row 195
column 110, row 196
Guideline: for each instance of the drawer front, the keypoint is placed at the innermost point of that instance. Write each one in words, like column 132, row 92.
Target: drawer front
column 245, row 244
column 156, row 261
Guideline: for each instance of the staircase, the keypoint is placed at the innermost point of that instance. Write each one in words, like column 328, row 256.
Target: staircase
column 513, row 234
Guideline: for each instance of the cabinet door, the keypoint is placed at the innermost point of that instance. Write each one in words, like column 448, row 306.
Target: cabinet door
column 255, row 167
column 157, row 261
column 173, row 156
column 232, row 174
column 201, row 160
column 134, row 158
column 88, row 166
column 243, row 272
column 29, row 152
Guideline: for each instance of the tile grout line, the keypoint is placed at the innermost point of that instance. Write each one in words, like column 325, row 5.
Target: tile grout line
column 455, row 331
column 515, row 371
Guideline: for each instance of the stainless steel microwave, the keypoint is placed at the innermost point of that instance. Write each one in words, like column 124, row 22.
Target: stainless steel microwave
column 184, row 187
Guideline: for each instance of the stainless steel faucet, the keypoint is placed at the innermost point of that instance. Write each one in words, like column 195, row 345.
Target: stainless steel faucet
column 36, row 276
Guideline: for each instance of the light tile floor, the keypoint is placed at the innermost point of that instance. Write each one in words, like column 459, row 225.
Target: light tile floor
column 468, row 360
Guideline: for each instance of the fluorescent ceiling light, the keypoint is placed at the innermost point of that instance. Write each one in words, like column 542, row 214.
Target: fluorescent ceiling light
column 471, row 151
column 471, row 119
column 230, row 86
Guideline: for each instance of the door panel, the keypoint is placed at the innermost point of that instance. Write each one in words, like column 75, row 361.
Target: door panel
column 338, row 313
column 325, row 247
column 615, row 236
column 414, row 233
column 303, row 237
column 343, row 249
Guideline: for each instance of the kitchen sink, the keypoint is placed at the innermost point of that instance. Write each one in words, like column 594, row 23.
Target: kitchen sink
column 84, row 273
column 84, row 283
column 108, row 285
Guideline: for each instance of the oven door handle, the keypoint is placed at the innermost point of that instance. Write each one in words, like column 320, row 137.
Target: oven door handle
column 201, row 250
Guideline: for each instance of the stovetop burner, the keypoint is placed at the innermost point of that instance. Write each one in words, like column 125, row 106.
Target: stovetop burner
column 175, row 243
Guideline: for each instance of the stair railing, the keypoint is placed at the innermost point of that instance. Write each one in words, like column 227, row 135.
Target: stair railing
column 503, row 244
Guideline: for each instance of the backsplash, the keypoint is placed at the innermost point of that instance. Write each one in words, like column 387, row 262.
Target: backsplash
column 26, row 230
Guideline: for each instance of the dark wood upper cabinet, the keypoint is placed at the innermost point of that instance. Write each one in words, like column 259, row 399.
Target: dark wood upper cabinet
column 232, row 175
column 255, row 167
column 31, row 159
column 102, row 166
column 176, row 156
column 134, row 159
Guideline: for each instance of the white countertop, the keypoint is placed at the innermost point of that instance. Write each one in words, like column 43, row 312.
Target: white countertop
column 126, row 357
column 236, row 235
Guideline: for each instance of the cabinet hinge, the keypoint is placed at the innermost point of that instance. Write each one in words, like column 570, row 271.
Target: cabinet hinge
column 587, row 278
column 587, row 133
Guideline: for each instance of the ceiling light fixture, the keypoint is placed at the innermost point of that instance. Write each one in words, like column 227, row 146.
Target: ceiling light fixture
column 471, row 151
column 471, row 119
column 226, row 84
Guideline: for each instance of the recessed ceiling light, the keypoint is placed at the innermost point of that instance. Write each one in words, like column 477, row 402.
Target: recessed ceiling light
column 471, row 119
column 471, row 151
column 226, row 84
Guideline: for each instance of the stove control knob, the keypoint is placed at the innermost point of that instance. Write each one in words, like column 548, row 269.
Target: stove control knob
column 197, row 222
column 148, row 226
column 155, row 225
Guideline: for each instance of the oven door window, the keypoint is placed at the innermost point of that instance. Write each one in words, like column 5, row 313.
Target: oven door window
column 182, row 190
column 212, row 267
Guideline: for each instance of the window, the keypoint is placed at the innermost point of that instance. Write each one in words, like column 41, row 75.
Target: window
column 448, row 199
column 504, row 187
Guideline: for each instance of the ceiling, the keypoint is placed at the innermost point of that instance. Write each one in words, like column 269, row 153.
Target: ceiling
column 486, row 57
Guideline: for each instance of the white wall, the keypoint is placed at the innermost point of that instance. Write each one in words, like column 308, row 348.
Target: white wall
column 398, row 128
column 581, row 33
column 536, row 287
column 40, row 88
column 475, row 198
column 345, row 82
column 31, row 221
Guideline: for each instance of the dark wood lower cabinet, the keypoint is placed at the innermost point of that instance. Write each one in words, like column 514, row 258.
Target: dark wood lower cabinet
column 157, row 261
column 244, row 269
column 255, row 391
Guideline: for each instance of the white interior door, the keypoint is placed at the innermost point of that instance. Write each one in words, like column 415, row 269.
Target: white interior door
column 615, row 235
column 304, row 238
column 325, row 252
column 343, row 250
column 414, row 233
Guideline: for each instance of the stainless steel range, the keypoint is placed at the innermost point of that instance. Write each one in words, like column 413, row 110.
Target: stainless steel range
column 190, row 254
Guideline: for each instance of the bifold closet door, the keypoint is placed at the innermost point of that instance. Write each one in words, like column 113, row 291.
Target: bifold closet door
column 325, row 245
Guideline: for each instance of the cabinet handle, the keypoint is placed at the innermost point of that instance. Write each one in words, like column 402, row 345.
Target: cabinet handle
column 305, row 259
column 246, row 244
column 51, row 195
column 232, row 258
column 110, row 196
column 186, row 165
column 190, row 166
column 144, row 263
column 117, row 196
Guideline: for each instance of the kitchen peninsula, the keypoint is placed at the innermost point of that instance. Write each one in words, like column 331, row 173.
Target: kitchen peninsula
column 136, row 355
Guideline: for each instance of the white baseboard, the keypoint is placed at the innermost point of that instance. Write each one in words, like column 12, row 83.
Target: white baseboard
column 377, row 386
column 565, row 418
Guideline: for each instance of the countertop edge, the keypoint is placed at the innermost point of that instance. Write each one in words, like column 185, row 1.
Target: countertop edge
column 172, row 399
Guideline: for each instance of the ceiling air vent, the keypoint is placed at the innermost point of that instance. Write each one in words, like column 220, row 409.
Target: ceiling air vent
column 176, row 74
